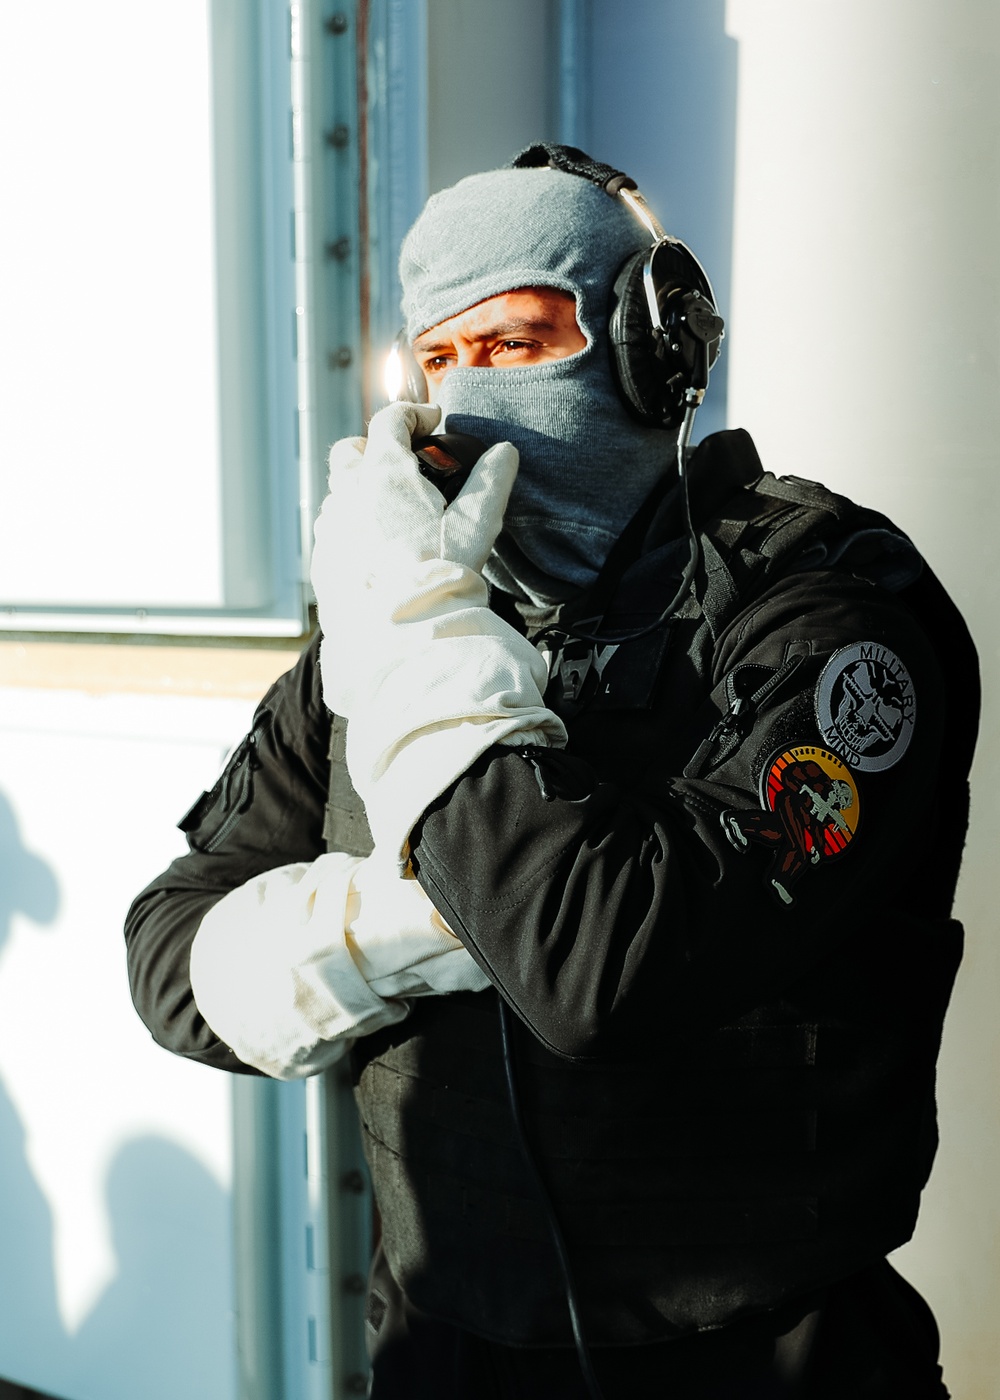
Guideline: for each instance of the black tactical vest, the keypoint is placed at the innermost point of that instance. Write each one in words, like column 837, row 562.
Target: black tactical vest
column 736, row 1166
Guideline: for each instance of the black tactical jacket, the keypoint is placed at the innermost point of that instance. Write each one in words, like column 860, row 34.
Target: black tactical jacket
column 722, row 917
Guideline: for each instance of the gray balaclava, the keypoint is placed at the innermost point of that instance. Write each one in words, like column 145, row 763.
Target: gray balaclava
column 586, row 465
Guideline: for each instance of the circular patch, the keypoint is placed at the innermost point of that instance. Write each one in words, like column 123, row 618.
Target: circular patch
column 814, row 795
column 866, row 706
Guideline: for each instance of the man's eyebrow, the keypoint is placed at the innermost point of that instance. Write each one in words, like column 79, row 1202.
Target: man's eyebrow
column 422, row 343
column 513, row 325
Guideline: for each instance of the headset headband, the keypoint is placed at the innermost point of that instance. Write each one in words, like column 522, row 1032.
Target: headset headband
column 572, row 161
column 661, row 380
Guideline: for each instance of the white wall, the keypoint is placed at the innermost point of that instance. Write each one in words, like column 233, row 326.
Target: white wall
column 864, row 352
column 115, row 1157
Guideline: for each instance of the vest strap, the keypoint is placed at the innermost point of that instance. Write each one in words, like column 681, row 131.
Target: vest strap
column 345, row 823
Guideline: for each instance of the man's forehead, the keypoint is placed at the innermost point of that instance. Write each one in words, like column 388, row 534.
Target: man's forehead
column 509, row 313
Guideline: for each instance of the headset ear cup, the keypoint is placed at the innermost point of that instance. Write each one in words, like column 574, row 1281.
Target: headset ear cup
column 633, row 345
column 654, row 367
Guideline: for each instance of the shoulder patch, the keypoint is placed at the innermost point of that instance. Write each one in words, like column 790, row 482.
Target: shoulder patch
column 811, row 809
column 866, row 706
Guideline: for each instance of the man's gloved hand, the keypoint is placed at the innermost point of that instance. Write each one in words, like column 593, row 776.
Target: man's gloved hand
column 384, row 539
column 428, row 677
column 291, row 967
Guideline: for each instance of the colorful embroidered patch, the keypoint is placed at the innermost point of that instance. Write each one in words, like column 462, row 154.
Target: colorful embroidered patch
column 866, row 706
column 811, row 812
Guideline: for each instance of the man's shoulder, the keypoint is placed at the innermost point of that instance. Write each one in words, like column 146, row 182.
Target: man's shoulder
column 771, row 539
column 755, row 523
column 299, row 690
column 726, row 465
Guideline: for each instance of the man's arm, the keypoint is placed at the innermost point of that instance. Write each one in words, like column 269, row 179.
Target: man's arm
column 266, row 810
column 602, row 899
column 258, row 950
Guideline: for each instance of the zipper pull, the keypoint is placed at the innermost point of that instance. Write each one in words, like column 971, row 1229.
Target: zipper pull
column 731, row 729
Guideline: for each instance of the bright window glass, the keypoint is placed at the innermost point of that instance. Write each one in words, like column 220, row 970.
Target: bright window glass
column 148, row 473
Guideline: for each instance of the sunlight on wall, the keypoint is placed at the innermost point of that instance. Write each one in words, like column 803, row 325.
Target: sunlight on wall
column 863, row 353
column 115, row 1157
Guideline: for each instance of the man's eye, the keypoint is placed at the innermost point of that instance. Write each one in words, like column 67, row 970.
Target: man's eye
column 434, row 364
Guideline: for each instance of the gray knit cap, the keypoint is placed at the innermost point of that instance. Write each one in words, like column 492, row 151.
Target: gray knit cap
column 505, row 229
column 585, row 464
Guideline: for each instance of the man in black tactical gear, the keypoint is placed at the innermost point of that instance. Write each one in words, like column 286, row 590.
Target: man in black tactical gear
column 586, row 837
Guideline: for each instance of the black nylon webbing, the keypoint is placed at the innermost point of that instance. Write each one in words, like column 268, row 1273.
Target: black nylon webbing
column 574, row 162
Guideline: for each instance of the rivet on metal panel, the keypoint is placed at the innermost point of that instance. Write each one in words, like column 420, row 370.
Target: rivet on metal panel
column 352, row 1181
column 354, row 1283
column 336, row 24
column 339, row 136
column 339, row 358
column 356, row 1384
column 339, row 249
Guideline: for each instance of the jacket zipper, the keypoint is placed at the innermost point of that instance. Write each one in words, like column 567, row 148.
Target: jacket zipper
column 730, row 731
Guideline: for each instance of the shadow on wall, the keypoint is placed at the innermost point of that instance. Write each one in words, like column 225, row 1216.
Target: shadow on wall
column 147, row 1333
column 27, row 884
column 154, row 1330
column 10, row 1391
column 28, row 1305
column 168, row 1221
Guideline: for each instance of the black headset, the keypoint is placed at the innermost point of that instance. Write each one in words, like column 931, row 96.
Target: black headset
column 663, row 324
column 664, row 329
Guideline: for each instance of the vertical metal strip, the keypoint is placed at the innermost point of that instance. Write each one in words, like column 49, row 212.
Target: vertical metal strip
column 326, row 128
column 323, row 1369
column 280, row 447
column 349, row 1232
column 361, row 44
column 302, row 119
column 573, row 45
column 327, row 1265
column 257, row 1259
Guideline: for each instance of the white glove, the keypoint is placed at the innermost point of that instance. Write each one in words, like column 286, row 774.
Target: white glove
column 412, row 656
column 290, row 968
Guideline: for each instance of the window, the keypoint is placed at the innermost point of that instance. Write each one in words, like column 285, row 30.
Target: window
column 148, row 419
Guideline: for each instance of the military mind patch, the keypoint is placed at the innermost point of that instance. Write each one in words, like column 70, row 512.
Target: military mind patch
column 866, row 706
column 811, row 810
